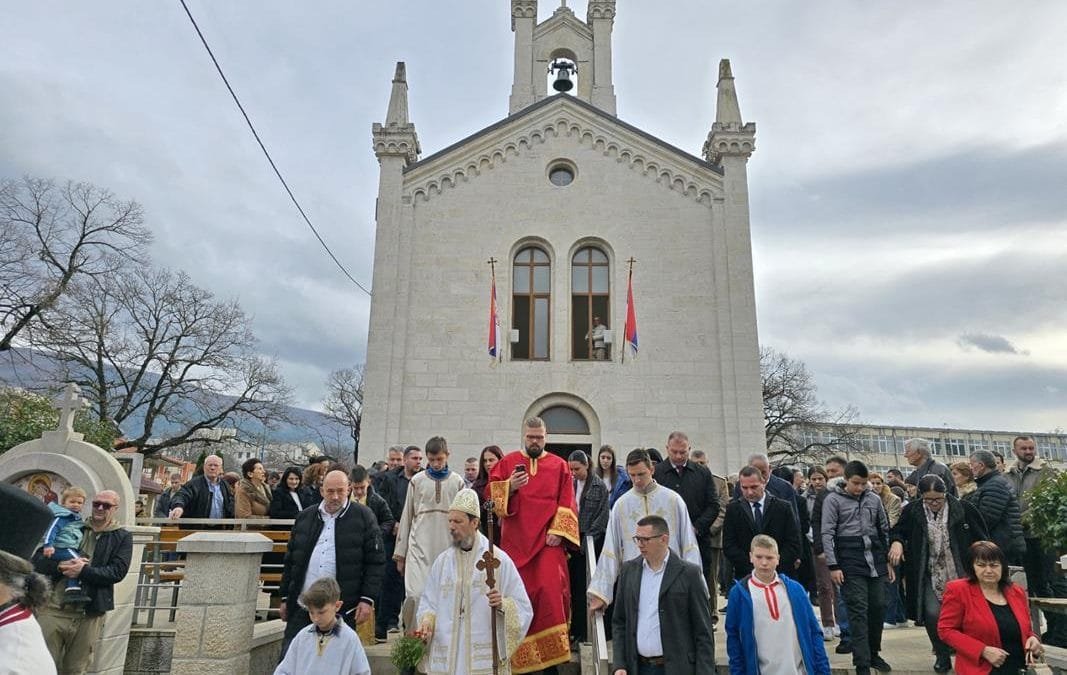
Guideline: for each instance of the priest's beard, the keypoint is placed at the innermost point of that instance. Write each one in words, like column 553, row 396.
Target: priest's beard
column 533, row 451
column 465, row 544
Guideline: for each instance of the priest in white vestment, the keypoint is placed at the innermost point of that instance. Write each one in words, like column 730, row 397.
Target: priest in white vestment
column 645, row 498
column 455, row 611
column 423, row 531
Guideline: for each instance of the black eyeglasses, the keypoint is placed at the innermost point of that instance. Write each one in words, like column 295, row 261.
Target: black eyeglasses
column 644, row 540
column 103, row 506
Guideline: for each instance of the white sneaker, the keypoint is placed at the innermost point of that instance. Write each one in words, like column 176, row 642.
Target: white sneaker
column 837, row 632
column 888, row 626
column 828, row 633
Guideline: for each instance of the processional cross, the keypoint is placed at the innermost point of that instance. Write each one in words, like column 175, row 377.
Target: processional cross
column 488, row 564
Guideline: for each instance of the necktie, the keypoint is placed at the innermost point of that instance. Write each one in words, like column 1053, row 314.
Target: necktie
column 757, row 513
column 679, row 470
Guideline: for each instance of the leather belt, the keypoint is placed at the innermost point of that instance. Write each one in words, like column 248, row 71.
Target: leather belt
column 650, row 660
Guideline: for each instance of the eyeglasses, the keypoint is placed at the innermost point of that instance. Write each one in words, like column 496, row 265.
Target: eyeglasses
column 644, row 540
column 103, row 506
column 933, row 500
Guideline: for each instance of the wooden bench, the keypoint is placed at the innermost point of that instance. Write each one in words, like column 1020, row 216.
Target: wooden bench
column 173, row 572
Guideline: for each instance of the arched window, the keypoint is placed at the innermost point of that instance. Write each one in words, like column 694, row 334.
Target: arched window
column 561, row 419
column 530, row 295
column 590, row 306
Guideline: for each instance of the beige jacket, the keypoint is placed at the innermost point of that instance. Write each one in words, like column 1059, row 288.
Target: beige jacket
column 1026, row 478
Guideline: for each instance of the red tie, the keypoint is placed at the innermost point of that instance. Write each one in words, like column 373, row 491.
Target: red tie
column 770, row 596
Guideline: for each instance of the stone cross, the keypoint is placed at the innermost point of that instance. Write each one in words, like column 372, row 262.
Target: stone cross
column 68, row 405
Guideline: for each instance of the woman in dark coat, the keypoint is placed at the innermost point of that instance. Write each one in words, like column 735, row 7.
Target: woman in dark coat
column 491, row 454
column 288, row 498
column 930, row 542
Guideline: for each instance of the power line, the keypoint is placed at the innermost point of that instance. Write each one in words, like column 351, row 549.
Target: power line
column 267, row 154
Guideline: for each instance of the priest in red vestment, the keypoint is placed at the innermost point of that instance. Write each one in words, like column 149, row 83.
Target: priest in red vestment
column 534, row 500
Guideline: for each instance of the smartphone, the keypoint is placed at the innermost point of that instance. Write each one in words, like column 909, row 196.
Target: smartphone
column 520, row 468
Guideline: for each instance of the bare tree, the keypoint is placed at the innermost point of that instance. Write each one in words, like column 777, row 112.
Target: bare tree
column 344, row 402
column 153, row 350
column 51, row 236
column 791, row 408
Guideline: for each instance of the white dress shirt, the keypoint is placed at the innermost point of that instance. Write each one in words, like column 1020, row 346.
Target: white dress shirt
column 649, row 641
column 579, row 485
column 323, row 560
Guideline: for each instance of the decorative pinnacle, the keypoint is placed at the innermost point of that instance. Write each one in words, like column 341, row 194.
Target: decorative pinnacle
column 727, row 110
column 398, row 99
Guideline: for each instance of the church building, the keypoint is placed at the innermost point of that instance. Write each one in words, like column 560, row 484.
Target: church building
column 561, row 199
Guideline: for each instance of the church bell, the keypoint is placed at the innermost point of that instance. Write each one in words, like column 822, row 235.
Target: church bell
column 563, row 75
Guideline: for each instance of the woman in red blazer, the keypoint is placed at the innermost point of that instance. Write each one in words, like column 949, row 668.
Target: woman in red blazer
column 986, row 618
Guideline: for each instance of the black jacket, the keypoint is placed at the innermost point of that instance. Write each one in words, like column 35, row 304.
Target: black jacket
column 394, row 490
column 109, row 565
column 283, row 506
column 740, row 526
column 684, row 618
column 935, row 467
column 995, row 499
column 965, row 526
column 593, row 511
column 195, row 499
column 360, row 555
column 696, row 489
column 381, row 512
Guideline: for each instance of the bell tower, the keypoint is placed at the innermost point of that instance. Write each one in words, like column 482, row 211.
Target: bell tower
column 587, row 44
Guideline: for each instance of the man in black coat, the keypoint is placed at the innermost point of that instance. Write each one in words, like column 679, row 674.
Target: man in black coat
column 917, row 453
column 591, row 495
column 204, row 496
column 694, row 485
column 660, row 586
column 996, row 500
column 758, row 512
column 71, row 632
column 394, row 490
column 356, row 557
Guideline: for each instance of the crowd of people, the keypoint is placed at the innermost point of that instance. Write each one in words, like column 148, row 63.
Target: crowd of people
column 805, row 556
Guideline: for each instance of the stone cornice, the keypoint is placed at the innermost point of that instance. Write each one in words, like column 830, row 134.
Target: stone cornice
column 600, row 9
column 396, row 140
column 523, row 9
column 730, row 140
column 660, row 162
column 558, row 21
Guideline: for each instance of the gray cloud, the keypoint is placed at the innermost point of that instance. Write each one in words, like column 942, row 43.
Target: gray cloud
column 993, row 344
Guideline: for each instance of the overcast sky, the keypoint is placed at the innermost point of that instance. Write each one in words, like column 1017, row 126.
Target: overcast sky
column 909, row 188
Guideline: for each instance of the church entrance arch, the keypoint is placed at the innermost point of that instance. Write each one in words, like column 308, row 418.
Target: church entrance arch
column 571, row 422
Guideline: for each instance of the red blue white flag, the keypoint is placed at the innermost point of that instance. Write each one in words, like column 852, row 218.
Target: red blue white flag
column 494, row 324
column 630, row 331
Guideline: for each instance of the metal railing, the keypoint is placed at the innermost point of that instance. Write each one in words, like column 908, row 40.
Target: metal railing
column 597, row 633
column 161, row 569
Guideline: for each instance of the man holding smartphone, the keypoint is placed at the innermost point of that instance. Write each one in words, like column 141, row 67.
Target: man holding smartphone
column 534, row 499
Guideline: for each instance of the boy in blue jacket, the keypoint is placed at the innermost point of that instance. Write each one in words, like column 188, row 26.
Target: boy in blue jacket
column 64, row 538
column 770, row 627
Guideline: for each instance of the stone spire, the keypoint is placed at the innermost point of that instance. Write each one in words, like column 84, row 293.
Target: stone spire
column 729, row 136
column 397, row 137
column 398, row 99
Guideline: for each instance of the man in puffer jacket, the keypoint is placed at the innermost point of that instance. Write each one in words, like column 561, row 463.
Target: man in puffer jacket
column 855, row 540
column 999, row 505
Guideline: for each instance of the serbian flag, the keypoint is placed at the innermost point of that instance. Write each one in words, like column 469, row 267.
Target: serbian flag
column 494, row 328
column 630, row 331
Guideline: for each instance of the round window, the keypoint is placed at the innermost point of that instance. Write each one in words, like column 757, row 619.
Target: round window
column 561, row 175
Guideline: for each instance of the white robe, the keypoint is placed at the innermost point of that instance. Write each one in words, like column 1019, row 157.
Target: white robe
column 22, row 646
column 423, row 531
column 619, row 545
column 455, row 603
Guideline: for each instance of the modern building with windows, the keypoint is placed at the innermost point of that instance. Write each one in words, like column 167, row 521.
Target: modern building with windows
column 882, row 447
column 561, row 194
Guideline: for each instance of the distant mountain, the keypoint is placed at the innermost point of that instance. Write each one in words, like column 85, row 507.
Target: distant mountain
column 36, row 371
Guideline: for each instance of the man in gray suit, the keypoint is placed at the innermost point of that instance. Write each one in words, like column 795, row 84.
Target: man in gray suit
column 662, row 621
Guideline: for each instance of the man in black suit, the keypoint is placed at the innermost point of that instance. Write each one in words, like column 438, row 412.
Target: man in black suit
column 694, row 484
column 757, row 512
column 662, row 621
column 206, row 495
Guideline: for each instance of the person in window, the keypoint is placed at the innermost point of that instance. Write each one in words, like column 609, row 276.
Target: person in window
column 600, row 347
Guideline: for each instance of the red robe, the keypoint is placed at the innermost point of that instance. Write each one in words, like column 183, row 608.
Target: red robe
column 545, row 505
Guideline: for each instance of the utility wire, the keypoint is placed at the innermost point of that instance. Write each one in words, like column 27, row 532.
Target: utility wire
column 267, row 154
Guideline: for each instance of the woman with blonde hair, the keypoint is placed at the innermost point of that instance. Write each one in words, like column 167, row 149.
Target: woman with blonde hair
column 963, row 476
column 894, row 605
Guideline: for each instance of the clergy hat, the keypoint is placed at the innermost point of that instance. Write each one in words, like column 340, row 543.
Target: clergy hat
column 467, row 501
column 23, row 521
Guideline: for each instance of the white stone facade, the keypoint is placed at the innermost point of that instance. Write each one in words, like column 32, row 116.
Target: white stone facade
column 685, row 221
